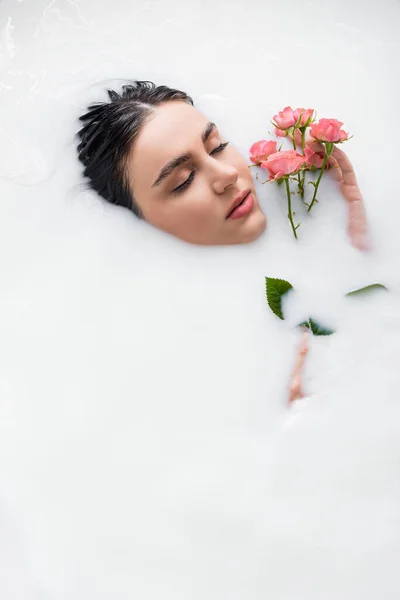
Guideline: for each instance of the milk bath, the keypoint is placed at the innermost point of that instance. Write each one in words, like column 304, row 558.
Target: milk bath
column 146, row 445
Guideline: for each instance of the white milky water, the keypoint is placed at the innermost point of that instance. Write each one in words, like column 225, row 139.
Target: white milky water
column 146, row 447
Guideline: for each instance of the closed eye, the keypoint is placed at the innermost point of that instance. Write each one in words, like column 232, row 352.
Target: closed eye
column 189, row 180
column 184, row 185
column 219, row 148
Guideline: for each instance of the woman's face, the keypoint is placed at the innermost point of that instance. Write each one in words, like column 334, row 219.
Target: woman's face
column 189, row 182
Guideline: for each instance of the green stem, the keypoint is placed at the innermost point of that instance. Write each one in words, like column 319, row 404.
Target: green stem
column 300, row 179
column 318, row 180
column 303, row 147
column 289, row 199
column 300, row 185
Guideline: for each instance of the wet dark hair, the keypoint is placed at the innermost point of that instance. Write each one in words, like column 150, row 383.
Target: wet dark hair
column 109, row 131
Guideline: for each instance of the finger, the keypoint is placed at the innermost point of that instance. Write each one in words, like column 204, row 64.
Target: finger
column 348, row 186
column 359, row 239
column 319, row 149
column 334, row 168
column 338, row 158
column 360, row 242
column 331, row 163
column 357, row 226
column 349, row 177
column 315, row 146
column 351, row 193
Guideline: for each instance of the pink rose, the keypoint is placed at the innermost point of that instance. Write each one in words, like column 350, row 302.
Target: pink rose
column 296, row 135
column 306, row 115
column 328, row 130
column 283, row 163
column 312, row 158
column 285, row 118
column 280, row 132
column 261, row 150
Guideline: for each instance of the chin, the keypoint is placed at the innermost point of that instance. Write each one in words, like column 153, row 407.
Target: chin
column 253, row 230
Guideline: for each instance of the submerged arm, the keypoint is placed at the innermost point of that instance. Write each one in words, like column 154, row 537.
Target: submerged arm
column 296, row 383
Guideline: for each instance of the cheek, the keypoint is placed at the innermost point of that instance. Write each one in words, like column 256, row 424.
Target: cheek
column 196, row 207
column 194, row 210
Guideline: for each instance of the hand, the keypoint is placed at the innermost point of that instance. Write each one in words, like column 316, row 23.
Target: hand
column 296, row 384
column 357, row 221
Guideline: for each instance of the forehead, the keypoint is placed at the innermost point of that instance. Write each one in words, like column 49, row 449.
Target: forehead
column 169, row 131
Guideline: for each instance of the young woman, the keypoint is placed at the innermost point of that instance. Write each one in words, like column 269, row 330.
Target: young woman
column 150, row 150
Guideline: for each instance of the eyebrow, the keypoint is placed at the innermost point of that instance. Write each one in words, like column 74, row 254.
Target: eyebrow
column 180, row 160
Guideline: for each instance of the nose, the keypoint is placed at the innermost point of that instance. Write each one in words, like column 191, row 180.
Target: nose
column 224, row 175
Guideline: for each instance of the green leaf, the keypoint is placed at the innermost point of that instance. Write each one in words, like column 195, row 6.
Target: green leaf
column 318, row 329
column 275, row 289
column 367, row 288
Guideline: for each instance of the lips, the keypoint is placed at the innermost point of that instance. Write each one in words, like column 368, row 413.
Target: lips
column 242, row 205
